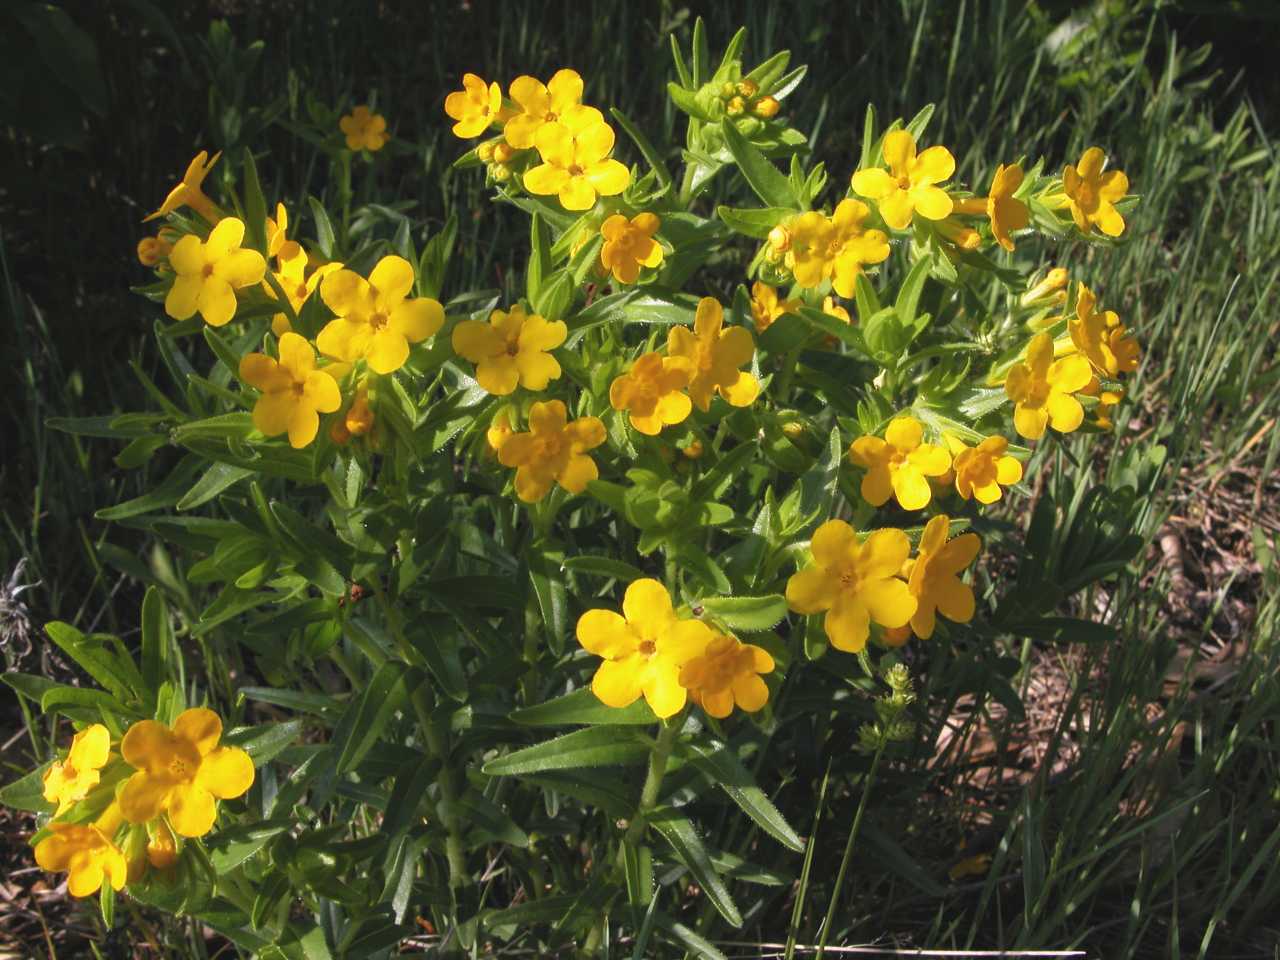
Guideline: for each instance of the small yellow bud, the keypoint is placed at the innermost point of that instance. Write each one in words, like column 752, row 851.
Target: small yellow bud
column 485, row 151
column 500, row 173
column 736, row 107
column 780, row 239
column 503, row 152
column 767, row 107
column 694, row 450
column 748, row 88
column 793, row 429
column 1050, row 288
column 727, row 91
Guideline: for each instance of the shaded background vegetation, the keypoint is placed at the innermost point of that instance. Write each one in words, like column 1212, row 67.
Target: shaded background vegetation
column 102, row 105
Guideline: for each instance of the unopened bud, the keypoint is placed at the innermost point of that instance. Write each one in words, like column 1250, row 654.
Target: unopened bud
column 500, row 173
column 748, row 88
column 1050, row 288
column 694, row 450
column 727, row 90
column 767, row 107
column 503, row 153
column 780, row 239
column 736, row 107
column 485, row 151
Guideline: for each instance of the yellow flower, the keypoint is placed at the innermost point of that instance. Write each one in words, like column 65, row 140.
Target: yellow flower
column 934, row 579
column 1107, row 401
column 1091, row 194
column 808, row 240
column 854, row 583
column 1048, row 290
column 851, row 246
column 715, row 355
column 209, row 273
column 766, row 307
column 87, row 855
column 151, row 250
column 651, row 391
column 278, row 243
column 833, row 309
column 162, row 848
column 374, row 320
column 296, row 288
column 629, row 245
column 1005, row 211
column 1041, row 389
column 575, row 160
column 553, row 451
column 1102, row 338
column 726, row 674
column 766, row 107
column 908, row 186
column 67, row 781
column 181, row 770
column 982, row 470
column 475, row 107
column 540, row 104
column 188, row 193
column 511, row 349
column 500, row 428
column 364, row 130
column 294, row 392
column 643, row 649
column 898, row 464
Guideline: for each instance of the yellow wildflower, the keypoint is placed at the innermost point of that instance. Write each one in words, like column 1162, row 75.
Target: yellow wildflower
column 851, row 246
column 67, row 781
column 955, row 232
column 1006, row 212
column 278, row 243
column 475, row 107
column 1102, row 338
column 643, row 649
column 1091, row 194
column 297, row 289
column 209, row 273
column 982, row 470
column 88, row 856
column 512, row 348
column 540, row 104
column 188, row 192
column 727, row 674
column 833, row 309
column 766, row 107
column 374, row 319
column 1107, row 401
column 854, row 583
column 808, row 255
column 766, row 307
column 715, row 354
column 1041, row 389
column 181, row 770
column 909, row 185
column 629, row 245
column 934, row 578
column 651, row 391
column 553, row 451
column 151, row 250
column 898, row 464
column 500, row 427
column 294, row 392
column 576, row 164
column 1047, row 290
column 364, row 130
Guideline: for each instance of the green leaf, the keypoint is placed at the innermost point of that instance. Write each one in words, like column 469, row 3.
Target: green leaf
column 266, row 741
column 685, row 938
column 769, row 184
column 232, row 846
column 109, row 426
column 324, row 228
column 583, row 706
column 368, row 715
column 539, row 256
column 407, row 793
column 255, row 206
column 112, row 670
column 646, row 148
column 438, row 647
column 212, row 482
column 157, row 639
column 753, row 221
column 747, row 613
column 833, row 327
column 603, row 567
column 27, row 793
column 678, row 831
column 909, row 294
column 592, row 747
column 547, row 577
column 480, row 813
column 726, row 771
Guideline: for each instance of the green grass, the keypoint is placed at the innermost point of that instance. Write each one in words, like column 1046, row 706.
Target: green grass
column 1158, row 833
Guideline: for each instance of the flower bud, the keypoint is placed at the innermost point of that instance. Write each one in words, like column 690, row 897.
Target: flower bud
column 736, row 107
column 1050, row 288
column 767, row 107
column 727, row 90
column 485, row 151
column 780, row 239
column 500, row 173
column 694, row 450
column 748, row 87
column 503, row 153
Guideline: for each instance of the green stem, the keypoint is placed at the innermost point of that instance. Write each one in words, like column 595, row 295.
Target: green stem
column 848, row 851
column 437, row 744
column 658, row 758
column 344, row 194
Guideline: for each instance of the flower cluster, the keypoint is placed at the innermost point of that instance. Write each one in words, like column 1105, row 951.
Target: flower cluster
column 650, row 651
column 118, row 810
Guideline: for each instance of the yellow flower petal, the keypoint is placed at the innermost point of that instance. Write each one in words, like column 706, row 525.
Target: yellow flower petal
column 199, row 726
column 605, row 634
column 616, row 684
column 226, row 773
column 647, row 606
column 191, row 810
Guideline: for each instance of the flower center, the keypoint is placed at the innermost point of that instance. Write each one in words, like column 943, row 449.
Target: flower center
column 178, row 769
column 575, row 170
column 647, row 648
column 207, row 270
column 377, row 320
column 904, row 183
